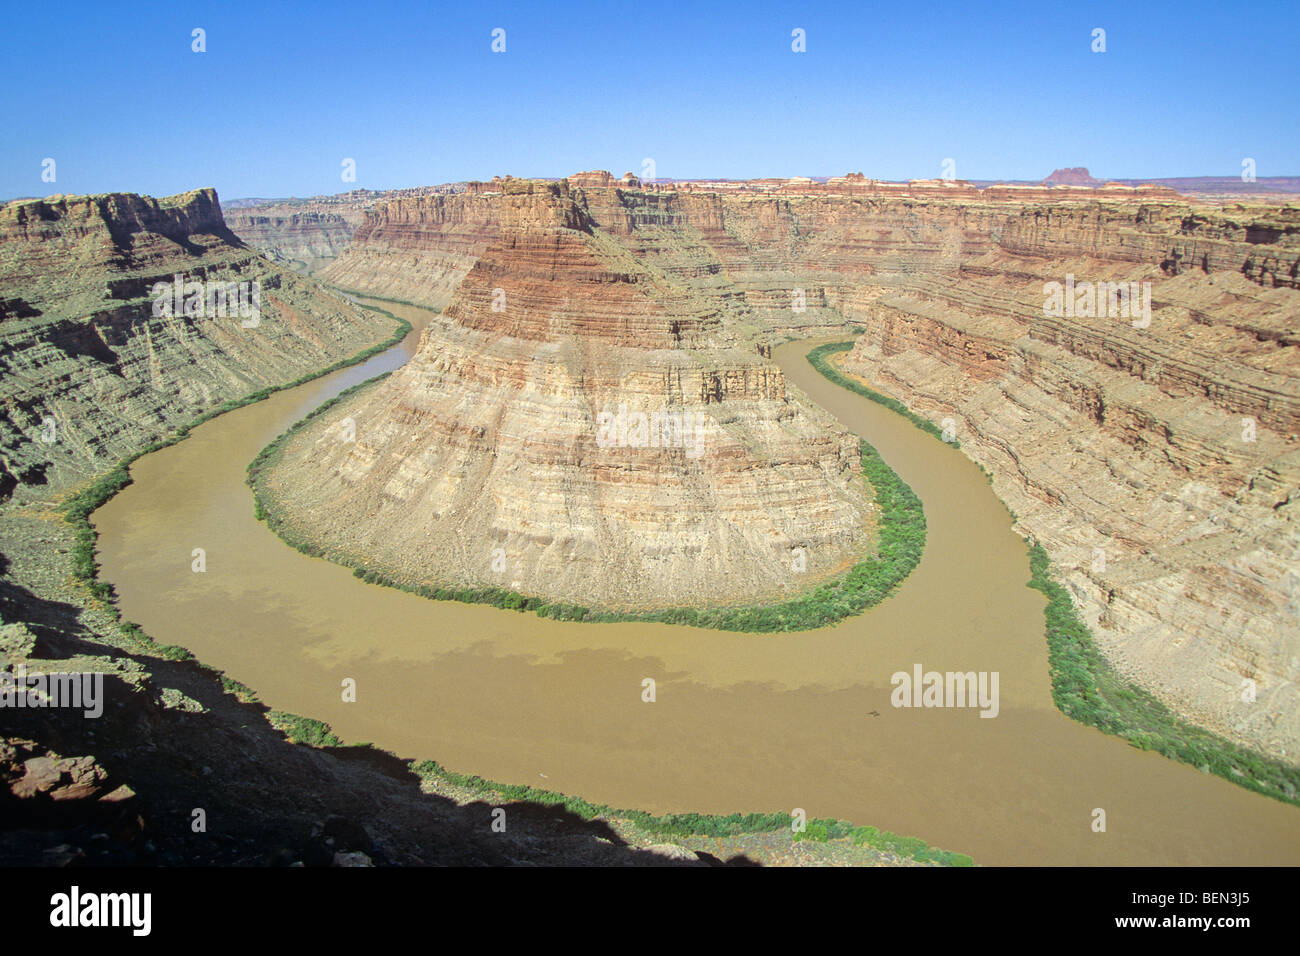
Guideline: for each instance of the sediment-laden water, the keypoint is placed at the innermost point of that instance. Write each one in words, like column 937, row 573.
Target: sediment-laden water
column 741, row 722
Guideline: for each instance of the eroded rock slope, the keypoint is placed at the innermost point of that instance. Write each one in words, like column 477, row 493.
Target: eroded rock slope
column 1155, row 456
column 582, row 425
column 90, row 371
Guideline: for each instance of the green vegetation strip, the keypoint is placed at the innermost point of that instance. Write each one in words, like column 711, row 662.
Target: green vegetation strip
column 1085, row 686
column 699, row 824
column 870, row 581
column 819, row 359
column 78, row 507
column 316, row 733
column 379, row 298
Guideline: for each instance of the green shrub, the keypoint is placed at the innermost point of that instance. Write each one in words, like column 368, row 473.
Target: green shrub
column 1086, row 688
column 303, row 730
column 668, row 824
column 232, row 686
column 908, row 847
column 812, row 833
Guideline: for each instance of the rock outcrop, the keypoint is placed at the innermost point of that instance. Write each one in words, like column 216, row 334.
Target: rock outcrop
column 92, row 366
column 582, row 425
column 309, row 234
column 305, row 240
column 1157, row 458
column 418, row 249
column 1116, row 445
column 1074, row 176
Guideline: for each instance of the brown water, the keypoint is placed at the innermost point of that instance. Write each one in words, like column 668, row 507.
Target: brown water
column 741, row 722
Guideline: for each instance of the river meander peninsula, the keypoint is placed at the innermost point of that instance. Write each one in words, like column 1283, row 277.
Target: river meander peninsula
column 584, row 424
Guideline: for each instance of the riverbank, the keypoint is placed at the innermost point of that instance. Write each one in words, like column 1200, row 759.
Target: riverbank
column 173, row 715
column 79, row 505
column 794, row 720
column 1085, row 686
column 899, row 546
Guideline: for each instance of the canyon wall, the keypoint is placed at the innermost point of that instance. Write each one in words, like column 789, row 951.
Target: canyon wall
column 417, row 249
column 90, row 372
column 307, row 235
column 581, row 424
column 1119, row 445
column 305, row 240
column 1155, row 456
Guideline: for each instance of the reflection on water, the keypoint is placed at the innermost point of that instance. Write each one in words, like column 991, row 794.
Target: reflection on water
column 740, row 723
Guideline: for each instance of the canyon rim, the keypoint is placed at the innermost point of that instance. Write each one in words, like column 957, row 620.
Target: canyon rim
column 699, row 435
column 1154, row 459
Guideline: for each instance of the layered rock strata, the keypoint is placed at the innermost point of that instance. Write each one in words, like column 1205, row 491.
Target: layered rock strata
column 1105, row 437
column 309, row 234
column 304, row 240
column 92, row 367
column 580, row 425
column 419, row 249
column 1159, row 465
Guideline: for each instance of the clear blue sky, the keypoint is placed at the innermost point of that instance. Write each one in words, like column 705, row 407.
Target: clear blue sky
column 413, row 93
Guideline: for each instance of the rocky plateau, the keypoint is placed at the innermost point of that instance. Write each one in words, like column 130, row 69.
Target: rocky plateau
column 484, row 461
column 1157, row 461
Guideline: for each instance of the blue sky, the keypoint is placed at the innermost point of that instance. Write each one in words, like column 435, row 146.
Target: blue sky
column 413, row 92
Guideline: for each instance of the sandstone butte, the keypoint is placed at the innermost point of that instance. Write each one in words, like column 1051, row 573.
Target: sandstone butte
column 88, row 373
column 479, row 463
column 1158, row 466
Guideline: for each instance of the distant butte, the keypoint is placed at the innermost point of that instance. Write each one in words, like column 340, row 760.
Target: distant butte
column 1075, row 176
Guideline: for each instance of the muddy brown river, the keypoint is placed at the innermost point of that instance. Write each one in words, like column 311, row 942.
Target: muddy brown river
column 741, row 722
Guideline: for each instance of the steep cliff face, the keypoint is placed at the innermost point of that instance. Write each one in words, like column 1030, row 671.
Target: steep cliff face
column 1260, row 242
column 1159, row 465
column 309, row 234
column 581, row 425
column 122, row 215
column 305, row 240
column 1119, row 445
column 89, row 368
column 418, row 249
